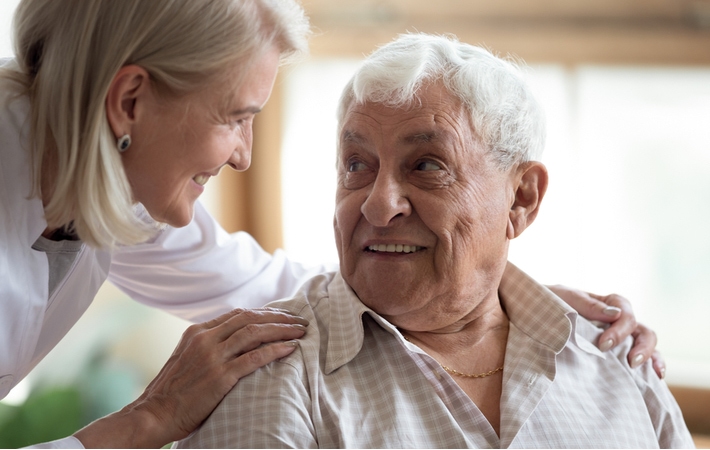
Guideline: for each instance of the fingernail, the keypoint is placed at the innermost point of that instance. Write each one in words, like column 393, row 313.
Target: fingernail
column 606, row 345
column 611, row 310
column 299, row 326
column 636, row 361
column 291, row 343
column 663, row 373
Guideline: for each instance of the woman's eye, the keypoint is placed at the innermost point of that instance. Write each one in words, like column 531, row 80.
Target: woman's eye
column 241, row 121
column 428, row 165
column 356, row 166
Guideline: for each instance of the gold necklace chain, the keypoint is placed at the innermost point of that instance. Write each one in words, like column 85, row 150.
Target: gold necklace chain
column 471, row 375
column 461, row 374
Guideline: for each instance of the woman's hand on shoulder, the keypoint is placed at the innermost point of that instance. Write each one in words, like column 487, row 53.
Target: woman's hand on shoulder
column 209, row 360
column 616, row 311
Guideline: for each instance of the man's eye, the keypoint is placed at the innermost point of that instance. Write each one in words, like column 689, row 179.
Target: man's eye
column 428, row 165
column 356, row 166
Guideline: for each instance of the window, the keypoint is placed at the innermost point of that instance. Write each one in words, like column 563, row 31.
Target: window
column 7, row 8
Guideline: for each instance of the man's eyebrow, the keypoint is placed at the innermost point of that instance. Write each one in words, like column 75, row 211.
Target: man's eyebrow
column 421, row 137
column 353, row 136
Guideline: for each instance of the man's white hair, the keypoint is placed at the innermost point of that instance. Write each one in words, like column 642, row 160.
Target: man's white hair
column 504, row 113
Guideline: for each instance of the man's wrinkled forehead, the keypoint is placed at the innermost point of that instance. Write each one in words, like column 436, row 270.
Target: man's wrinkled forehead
column 415, row 137
column 427, row 121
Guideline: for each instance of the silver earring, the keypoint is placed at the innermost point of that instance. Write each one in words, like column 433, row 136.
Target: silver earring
column 123, row 143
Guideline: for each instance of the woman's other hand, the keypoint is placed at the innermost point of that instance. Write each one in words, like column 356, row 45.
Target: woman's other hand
column 617, row 311
column 208, row 361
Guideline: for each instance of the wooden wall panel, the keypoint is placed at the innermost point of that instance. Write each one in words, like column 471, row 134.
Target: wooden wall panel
column 695, row 404
column 658, row 32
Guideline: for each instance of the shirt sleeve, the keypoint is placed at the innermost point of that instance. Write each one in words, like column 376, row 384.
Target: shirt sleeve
column 67, row 442
column 200, row 271
column 663, row 409
column 269, row 408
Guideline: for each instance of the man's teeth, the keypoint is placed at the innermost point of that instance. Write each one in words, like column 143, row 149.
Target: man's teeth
column 394, row 248
column 201, row 179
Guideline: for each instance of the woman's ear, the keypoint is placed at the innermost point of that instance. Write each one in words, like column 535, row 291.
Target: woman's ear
column 531, row 184
column 125, row 96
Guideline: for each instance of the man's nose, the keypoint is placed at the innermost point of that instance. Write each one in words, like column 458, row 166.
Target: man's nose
column 386, row 201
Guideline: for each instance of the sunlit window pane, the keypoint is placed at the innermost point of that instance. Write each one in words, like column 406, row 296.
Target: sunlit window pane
column 312, row 93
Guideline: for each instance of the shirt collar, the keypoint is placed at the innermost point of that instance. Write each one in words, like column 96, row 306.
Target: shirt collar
column 528, row 305
column 346, row 311
column 539, row 313
column 536, row 311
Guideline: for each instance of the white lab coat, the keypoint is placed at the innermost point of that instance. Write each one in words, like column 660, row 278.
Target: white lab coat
column 196, row 272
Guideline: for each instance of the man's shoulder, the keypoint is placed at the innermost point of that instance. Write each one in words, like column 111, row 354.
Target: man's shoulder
column 313, row 302
column 587, row 334
column 335, row 333
column 308, row 297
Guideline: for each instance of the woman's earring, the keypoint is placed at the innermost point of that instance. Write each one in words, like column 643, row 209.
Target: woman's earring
column 123, row 143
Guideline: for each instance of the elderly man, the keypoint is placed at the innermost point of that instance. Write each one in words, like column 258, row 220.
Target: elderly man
column 428, row 337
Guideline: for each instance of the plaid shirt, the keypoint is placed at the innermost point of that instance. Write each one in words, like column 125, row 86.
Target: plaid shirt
column 355, row 382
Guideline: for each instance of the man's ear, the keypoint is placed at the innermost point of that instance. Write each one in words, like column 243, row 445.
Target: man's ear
column 531, row 184
column 125, row 94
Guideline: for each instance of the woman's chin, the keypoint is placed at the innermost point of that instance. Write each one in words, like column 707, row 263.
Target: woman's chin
column 175, row 219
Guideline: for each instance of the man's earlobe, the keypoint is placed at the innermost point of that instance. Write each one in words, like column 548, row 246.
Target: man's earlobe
column 510, row 230
column 531, row 187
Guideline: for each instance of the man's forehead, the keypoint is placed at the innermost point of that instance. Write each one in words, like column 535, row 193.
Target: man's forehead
column 414, row 136
column 413, row 127
column 433, row 107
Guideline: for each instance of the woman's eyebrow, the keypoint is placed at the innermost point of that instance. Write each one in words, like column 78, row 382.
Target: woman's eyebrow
column 248, row 109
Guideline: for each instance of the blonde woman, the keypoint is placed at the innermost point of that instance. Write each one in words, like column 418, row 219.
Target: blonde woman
column 113, row 116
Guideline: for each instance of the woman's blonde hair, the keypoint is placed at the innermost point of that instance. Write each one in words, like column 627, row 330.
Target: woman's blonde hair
column 68, row 52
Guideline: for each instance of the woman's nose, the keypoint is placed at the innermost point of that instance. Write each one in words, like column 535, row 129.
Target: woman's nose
column 240, row 159
column 386, row 201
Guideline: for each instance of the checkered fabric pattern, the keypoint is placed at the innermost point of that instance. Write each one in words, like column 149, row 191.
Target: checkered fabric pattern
column 356, row 383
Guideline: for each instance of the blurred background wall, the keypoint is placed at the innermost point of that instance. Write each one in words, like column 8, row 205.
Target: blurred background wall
column 626, row 88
